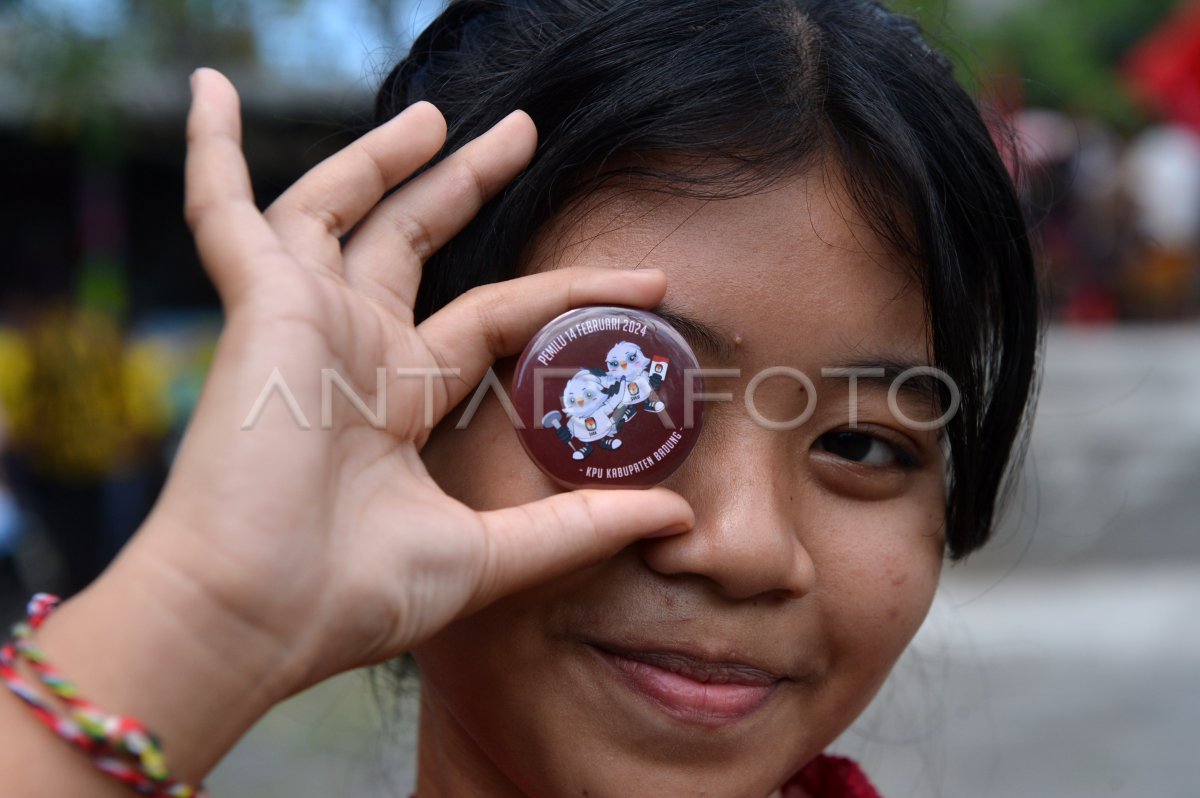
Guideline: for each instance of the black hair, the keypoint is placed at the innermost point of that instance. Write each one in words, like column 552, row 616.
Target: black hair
column 733, row 94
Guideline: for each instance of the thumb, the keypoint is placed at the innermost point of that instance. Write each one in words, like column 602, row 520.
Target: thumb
column 536, row 542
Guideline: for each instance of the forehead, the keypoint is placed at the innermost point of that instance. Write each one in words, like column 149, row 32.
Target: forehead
column 795, row 268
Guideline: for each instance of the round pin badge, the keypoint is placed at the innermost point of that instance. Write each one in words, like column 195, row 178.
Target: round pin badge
column 607, row 390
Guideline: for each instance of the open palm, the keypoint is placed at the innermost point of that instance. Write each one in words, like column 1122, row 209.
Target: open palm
column 333, row 540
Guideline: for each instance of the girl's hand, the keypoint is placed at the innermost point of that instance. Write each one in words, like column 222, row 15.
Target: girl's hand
column 280, row 555
column 333, row 543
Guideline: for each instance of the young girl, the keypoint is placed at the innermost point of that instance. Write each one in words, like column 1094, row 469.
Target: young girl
column 797, row 184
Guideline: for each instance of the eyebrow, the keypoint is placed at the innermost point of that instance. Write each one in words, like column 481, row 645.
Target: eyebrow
column 713, row 341
column 920, row 386
column 706, row 339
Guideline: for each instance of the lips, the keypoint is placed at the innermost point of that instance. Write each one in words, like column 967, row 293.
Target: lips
column 689, row 688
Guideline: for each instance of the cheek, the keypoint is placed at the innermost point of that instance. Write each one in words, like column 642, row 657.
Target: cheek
column 880, row 587
column 505, row 681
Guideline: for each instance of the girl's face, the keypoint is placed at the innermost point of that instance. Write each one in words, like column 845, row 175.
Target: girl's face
column 720, row 661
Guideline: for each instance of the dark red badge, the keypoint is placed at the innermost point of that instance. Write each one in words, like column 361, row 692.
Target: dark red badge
column 607, row 390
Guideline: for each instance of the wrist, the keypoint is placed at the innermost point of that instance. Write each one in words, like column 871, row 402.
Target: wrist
column 144, row 641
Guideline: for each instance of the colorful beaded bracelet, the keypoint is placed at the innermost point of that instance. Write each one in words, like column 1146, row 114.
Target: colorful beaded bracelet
column 120, row 747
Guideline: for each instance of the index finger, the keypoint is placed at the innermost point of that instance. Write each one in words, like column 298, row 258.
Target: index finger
column 493, row 321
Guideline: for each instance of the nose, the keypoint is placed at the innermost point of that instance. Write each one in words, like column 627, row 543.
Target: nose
column 624, row 364
column 747, row 540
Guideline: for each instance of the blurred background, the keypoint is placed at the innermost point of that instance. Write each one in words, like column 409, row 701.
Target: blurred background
column 1063, row 661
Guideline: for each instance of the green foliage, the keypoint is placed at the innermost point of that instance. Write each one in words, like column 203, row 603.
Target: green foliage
column 1067, row 53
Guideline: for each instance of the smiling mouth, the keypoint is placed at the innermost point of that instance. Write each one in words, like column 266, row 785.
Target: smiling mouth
column 690, row 689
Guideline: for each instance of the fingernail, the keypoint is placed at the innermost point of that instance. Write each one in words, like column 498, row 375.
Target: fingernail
column 194, row 76
column 510, row 118
column 647, row 275
column 412, row 109
column 674, row 529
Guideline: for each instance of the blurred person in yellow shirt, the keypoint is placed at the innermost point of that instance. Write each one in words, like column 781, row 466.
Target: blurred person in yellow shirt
column 86, row 412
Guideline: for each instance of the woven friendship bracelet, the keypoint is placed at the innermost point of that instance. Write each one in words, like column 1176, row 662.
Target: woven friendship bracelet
column 120, row 747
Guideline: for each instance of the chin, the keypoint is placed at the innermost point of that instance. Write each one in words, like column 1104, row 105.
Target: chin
column 544, row 700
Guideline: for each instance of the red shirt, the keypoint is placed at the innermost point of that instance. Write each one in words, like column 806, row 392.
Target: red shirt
column 830, row 777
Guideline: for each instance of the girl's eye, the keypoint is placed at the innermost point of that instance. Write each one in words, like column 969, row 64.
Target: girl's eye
column 869, row 450
column 633, row 357
column 590, row 395
column 612, row 364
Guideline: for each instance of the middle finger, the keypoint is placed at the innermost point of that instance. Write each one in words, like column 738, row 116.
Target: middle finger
column 385, row 256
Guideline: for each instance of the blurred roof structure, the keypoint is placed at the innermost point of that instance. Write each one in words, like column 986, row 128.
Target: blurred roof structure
column 148, row 94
